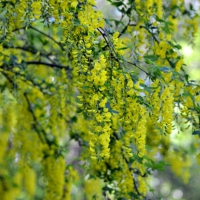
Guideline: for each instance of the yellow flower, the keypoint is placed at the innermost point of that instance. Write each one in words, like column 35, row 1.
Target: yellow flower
column 103, row 102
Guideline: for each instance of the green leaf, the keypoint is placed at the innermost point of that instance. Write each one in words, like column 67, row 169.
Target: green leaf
column 7, row 2
column 132, row 194
column 165, row 69
column 148, row 89
column 178, row 46
column 117, row 4
column 155, row 166
column 107, row 21
column 152, row 190
column 74, row 119
column 85, row 87
column 196, row 133
column 186, row 94
column 117, row 22
column 169, row 23
column 123, row 48
column 151, row 57
column 109, row 108
column 158, row 19
column 114, row 111
column 106, row 188
column 122, row 198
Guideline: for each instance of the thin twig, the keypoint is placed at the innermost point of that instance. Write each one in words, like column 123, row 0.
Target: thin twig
column 140, row 68
column 125, row 28
column 129, row 19
column 104, row 36
column 120, row 21
column 20, row 28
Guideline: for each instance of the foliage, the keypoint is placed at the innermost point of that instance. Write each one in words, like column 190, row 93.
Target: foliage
column 116, row 86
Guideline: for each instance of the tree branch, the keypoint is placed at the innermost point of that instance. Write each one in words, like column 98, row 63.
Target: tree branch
column 125, row 28
column 33, row 51
column 48, row 36
column 47, row 64
column 105, row 38
column 36, row 124
column 39, row 31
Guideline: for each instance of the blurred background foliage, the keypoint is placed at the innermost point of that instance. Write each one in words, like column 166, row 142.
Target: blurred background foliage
column 192, row 57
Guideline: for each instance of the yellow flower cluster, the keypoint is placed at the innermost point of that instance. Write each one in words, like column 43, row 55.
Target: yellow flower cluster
column 36, row 6
column 180, row 165
column 93, row 189
column 103, row 116
column 54, row 170
column 191, row 27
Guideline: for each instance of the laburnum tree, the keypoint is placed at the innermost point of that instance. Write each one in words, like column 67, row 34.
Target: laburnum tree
column 115, row 86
